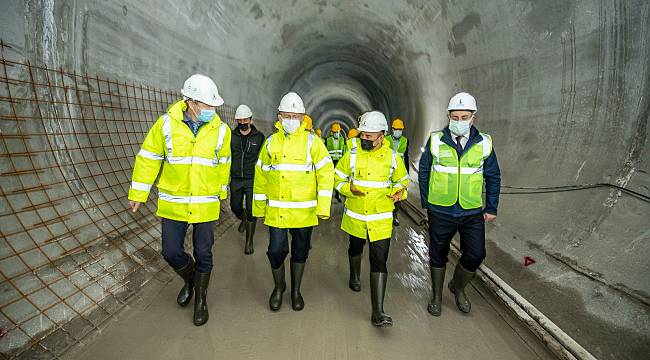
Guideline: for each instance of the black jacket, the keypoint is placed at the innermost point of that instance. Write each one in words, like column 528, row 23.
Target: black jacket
column 245, row 150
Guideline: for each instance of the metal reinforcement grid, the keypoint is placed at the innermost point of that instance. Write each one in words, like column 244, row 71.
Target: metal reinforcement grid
column 71, row 254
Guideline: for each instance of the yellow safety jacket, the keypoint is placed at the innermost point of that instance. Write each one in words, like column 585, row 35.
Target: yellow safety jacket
column 294, row 177
column 335, row 147
column 453, row 179
column 195, row 170
column 378, row 174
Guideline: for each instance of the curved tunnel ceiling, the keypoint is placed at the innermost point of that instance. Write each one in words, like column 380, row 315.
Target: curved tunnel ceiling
column 562, row 86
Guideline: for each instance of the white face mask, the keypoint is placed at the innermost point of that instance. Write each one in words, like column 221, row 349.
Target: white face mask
column 460, row 128
column 336, row 135
column 290, row 125
column 397, row 134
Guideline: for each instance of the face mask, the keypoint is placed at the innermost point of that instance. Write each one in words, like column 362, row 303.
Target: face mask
column 460, row 128
column 290, row 125
column 336, row 135
column 243, row 127
column 206, row 115
column 367, row 145
column 397, row 134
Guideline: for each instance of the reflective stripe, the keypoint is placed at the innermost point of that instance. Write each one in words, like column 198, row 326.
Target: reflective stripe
column 259, row 162
column 372, row 184
column 150, row 155
column 224, row 187
column 398, row 186
column 287, row 167
column 371, row 217
column 327, row 193
column 167, row 131
column 435, row 144
column 310, row 140
column 188, row 199
column 353, row 157
column 259, row 197
column 268, row 144
column 341, row 174
column 336, row 152
column 189, row 160
column 454, row 170
column 487, row 145
column 140, row 186
column 402, row 179
column 222, row 135
column 340, row 185
column 292, row 204
column 393, row 165
column 224, row 160
column 322, row 163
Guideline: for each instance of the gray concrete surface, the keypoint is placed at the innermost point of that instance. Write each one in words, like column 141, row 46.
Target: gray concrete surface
column 562, row 86
column 335, row 323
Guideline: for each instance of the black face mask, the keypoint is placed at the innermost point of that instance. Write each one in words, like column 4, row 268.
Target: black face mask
column 367, row 145
column 243, row 127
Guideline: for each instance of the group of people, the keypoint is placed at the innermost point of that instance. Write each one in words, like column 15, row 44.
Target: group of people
column 288, row 179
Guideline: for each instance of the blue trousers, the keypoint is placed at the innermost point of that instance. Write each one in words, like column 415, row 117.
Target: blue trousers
column 173, row 249
column 279, row 245
column 442, row 229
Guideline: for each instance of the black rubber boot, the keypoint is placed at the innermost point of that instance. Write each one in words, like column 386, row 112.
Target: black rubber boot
column 201, row 281
column 242, row 224
column 275, row 301
column 250, row 232
column 355, row 273
column 437, row 281
column 457, row 286
column 187, row 274
column 297, row 269
column 395, row 221
column 377, row 291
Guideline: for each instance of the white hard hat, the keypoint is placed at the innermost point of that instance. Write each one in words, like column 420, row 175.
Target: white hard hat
column 292, row 103
column 373, row 121
column 243, row 112
column 462, row 101
column 202, row 88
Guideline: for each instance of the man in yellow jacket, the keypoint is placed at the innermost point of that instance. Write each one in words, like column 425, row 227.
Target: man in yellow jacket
column 192, row 146
column 293, row 185
column 372, row 177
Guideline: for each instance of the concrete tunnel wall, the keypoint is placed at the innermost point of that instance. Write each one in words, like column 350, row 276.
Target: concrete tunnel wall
column 561, row 85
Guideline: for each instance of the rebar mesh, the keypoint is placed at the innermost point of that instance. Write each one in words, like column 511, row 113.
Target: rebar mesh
column 71, row 254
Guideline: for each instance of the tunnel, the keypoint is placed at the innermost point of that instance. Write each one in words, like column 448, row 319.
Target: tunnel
column 563, row 88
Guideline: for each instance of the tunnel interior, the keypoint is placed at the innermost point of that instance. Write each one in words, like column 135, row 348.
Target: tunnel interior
column 562, row 87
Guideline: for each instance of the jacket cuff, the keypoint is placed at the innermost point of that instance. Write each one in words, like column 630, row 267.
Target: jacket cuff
column 259, row 208
column 490, row 210
column 138, row 195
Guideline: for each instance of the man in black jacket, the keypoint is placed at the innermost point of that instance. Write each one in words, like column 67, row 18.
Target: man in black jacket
column 245, row 145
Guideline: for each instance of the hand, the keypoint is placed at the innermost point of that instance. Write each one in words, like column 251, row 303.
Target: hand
column 488, row 217
column 396, row 196
column 355, row 191
column 323, row 217
column 135, row 205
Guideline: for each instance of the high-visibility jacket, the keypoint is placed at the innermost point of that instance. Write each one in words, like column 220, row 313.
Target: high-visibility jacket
column 335, row 147
column 453, row 179
column 400, row 146
column 294, row 177
column 195, row 169
column 378, row 174
column 352, row 143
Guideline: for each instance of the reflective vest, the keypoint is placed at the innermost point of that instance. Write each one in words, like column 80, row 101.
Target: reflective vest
column 294, row 177
column 401, row 145
column 195, row 169
column 336, row 147
column 378, row 174
column 454, row 179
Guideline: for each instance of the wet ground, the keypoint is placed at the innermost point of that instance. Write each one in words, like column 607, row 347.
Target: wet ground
column 335, row 323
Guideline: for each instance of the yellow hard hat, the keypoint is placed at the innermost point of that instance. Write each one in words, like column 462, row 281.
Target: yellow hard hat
column 353, row 133
column 319, row 132
column 336, row 127
column 398, row 124
column 309, row 124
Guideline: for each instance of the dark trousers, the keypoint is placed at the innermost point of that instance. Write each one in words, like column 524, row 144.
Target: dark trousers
column 442, row 229
column 378, row 252
column 240, row 189
column 279, row 245
column 173, row 249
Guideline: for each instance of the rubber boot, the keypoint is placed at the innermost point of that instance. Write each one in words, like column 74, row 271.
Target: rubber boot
column 201, row 281
column 437, row 281
column 250, row 232
column 242, row 224
column 355, row 273
column 297, row 269
column 395, row 221
column 187, row 274
column 457, row 285
column 377, row 291
column 275, row 301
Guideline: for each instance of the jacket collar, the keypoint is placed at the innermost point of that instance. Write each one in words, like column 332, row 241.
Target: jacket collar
column 253, row 131
column 176, row 112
